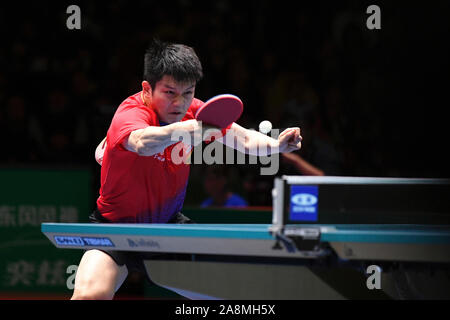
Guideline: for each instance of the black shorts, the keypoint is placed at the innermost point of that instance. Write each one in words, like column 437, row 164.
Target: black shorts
column 135, row 260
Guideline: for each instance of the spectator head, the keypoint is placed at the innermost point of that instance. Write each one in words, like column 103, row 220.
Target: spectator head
column 215, row 180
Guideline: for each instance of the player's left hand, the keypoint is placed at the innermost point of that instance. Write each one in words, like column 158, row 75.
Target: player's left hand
column 290, row 140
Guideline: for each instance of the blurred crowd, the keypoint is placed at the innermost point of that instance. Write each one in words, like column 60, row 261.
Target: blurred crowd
column 313, row 66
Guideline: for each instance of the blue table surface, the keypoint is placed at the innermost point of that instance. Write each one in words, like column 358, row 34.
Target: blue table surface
column 380, row 233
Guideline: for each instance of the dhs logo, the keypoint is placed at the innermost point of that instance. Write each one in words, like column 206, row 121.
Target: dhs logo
column 304, row 203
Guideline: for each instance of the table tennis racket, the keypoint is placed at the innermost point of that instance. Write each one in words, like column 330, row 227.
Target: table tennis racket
column 220, row 111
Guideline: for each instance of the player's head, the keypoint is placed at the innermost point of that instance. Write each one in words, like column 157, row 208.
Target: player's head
column 176, row 60
column 171, row 72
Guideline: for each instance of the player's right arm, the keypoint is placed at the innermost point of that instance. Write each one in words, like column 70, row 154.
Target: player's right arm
column 153, row 140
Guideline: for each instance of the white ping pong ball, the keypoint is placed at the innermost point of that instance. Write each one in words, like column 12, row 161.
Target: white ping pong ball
column 265, row 126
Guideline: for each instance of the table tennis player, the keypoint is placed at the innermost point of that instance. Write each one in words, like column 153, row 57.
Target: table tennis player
column 139, row 181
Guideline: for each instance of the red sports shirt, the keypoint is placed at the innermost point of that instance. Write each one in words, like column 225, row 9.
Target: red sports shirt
column 141, row 189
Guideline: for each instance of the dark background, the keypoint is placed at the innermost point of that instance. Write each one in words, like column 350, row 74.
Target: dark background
column 369, row 102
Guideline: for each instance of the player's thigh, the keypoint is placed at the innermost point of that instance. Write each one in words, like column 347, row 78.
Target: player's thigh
column 98, row 276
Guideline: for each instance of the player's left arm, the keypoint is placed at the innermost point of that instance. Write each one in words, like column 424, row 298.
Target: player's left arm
column 255, row 143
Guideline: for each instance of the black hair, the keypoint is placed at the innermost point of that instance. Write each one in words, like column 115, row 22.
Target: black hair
column 176, row 60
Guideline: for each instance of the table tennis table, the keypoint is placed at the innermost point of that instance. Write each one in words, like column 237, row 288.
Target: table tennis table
column 285, row 259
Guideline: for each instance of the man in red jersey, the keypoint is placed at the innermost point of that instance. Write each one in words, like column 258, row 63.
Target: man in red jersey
column 140, row 182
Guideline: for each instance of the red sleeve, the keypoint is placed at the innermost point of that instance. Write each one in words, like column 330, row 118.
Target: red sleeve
column 125, row 121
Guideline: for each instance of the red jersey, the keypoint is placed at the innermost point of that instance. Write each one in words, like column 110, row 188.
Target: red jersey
column 141, row 189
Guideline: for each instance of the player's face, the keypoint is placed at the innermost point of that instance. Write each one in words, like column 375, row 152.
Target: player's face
column 172, row 99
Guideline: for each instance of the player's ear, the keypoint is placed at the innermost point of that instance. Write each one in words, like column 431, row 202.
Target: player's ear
column 146, row 88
